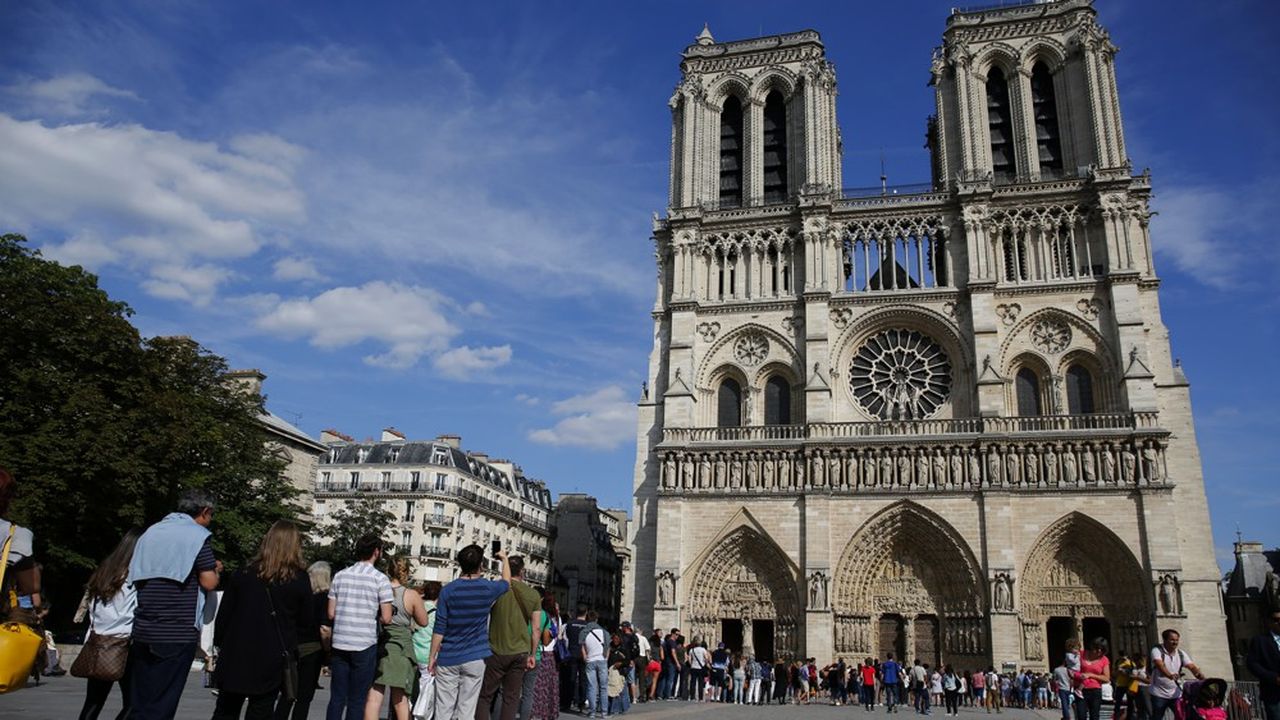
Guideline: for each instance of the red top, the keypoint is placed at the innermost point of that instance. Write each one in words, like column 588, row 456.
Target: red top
column 1101, row 666
column 868, row 675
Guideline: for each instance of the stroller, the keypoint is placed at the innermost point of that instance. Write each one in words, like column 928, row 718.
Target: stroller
column 1212, row 699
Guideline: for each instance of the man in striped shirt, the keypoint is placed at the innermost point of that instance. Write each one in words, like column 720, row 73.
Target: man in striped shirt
column 359, row 599
column 460, row 639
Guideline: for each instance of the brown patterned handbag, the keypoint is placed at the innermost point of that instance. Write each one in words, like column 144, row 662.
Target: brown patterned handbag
column 103, row 657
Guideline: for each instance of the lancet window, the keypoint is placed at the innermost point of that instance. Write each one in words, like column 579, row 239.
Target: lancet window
column 1079, row 390
column 1000, row 124
column 731, row 146
column 777, row 401
column 729, row 404
column 1043, row 244
column 1027, row 387
column 897, row 255
column 775, row 148
column 1044, row 107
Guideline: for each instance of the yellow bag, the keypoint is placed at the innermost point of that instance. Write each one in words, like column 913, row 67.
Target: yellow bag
column 19, row 643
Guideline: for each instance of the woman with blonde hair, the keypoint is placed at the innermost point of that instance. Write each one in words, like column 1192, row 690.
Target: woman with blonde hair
column 398, row 664
column 256, row 631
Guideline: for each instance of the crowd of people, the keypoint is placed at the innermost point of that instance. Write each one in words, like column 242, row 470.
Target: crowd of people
column 479, row 647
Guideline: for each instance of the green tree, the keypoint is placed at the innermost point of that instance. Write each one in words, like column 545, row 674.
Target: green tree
column 334, row 540
column 103, row 429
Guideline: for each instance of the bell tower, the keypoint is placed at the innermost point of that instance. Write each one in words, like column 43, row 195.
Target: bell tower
column 1028, row 97
column 753, row 122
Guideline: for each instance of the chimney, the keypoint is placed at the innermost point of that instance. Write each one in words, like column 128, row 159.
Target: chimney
column 249, row 381
column 330, row 435
column 391, row 435
column 479, row 457
column 453, row 441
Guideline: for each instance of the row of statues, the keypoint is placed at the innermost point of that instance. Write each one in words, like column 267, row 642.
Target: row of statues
column 959, row 636
column 1045, row 465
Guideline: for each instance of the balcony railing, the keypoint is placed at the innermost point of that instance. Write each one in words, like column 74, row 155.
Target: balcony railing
column 531, row 549
column 437, row 521
column 535, row 577
column 899, row 428
column 433, row 551
column 887, row 190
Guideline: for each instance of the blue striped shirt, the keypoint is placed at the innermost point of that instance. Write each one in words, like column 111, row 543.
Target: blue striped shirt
column 357, row 593
column 462, row 619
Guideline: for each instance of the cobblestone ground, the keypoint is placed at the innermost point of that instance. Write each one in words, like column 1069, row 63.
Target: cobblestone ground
column 60, row 698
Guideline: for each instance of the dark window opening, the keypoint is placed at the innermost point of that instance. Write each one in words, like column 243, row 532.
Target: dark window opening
column 1044, row 107
column 1000, row 125
column 775, row 148
column 730, row 404
column 1079, row 390
column 777, row 401
column 731, row 153
column 1027, row 384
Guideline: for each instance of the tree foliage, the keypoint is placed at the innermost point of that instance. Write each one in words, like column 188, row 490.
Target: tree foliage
column 102, row 429
column 336, row 537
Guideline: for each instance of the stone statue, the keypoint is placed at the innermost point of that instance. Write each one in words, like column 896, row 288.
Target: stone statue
column 1069, row 467
column 939, row 468
column 834, row 475
column 719, row 471
column 1033, row 468
column 784, row 472
column 752, row 473
column 819, row 471
column 993, row 468
column 735, row 472
column 922, row 469
column 1151, row 463
column 668, row 472
column 975, row 469
column 871, row 464
column 1108, row 466
column 957, row 467
column 1129, row 465
column 766, row 471
column 686, row 472
column 904, row 469
column 1051, row 467
column 817, row 592
column 666, row 589
column 1087, row 467
column 1003, row 595
column 1014, row 460
column 886, row 469
column 748, row 403
column 704, row 472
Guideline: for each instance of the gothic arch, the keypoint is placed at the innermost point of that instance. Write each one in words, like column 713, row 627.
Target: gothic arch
column 1052, row 52
column 997, row 54
column 907, row 564
column 910, row 317
column 1084, row 337
column 734, row 83
column 1044, row 377
column 774, row 78
column 781, row 350
column 1103, row 398
column 744, row 575
column 1079, row 569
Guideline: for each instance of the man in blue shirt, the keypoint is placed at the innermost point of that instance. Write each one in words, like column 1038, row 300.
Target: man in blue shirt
column 891, row 676
column 460, row 639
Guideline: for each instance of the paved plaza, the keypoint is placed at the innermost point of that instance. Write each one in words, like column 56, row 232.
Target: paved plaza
column 60, row 698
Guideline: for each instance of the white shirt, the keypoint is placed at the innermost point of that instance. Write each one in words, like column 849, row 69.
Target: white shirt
column 115, row 617
column 644, row 645
column 699, row 657
column 595, row 642
column 1161, row 686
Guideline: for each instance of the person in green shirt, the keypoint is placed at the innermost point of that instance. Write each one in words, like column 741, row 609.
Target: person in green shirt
column 514, row 644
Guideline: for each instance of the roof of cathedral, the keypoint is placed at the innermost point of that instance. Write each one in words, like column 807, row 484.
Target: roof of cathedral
column 703, row 48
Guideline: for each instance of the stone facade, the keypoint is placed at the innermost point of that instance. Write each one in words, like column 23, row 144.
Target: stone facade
column 1252, row 593
column 939, row 420
column 443, row 499
column 299, row 452
column 586, row 559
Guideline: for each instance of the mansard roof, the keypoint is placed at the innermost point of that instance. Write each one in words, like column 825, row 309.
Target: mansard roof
column 1249, row 576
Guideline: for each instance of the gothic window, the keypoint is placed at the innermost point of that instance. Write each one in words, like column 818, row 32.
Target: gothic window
column 900, row 375
column 729, row 407
column 1044, row 107
column 777, row 401
column 775, row 148
column 731, row 142
column 1027, row 385
column 1015, row 260
column 1079, row 390
column 1000, row 124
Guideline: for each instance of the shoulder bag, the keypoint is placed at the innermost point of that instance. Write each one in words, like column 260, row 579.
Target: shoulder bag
column 289, row 673
column 102, row 657
column 19, row 643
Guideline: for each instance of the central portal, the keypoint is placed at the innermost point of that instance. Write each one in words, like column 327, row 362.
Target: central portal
column 731, row 634
column 762, row 639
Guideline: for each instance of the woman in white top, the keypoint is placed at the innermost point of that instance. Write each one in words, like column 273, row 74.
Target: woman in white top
column 112, row 601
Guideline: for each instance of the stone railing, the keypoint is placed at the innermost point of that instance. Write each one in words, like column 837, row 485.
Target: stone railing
column 437, row 521
column 909, row 428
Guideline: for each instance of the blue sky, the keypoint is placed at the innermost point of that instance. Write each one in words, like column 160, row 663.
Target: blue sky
column 435, row 216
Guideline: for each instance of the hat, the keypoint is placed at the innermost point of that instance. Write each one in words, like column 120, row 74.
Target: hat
column 626, row 623
column 720, row 646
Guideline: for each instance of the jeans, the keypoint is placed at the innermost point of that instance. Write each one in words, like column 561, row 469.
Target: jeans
column 573, row 685
column 96, row 694
column 1093, row 702
column 526, row 692
column 457, row 689
column 620, row 704
column 351, row 675
column 1159, row 705
column 891, row 695
column 922, row 700
column 1066, row 699
column 753, row 691
column 667, row 680
column 738, row 682
column 157, row 676
column 698, row 677
column 597, row 687
column 507, row 672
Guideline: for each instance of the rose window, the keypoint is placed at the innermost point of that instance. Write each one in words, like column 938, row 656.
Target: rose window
column 751, row 349
column 900, row 375
column 1051, row 335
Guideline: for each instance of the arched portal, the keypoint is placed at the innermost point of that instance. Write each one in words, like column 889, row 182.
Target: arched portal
column 1081, row 581
column 907, row 583
column 746, row 586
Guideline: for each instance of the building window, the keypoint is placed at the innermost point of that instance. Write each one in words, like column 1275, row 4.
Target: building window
column 1000, row 125
column 730, row 404
column 777, row 401
column 393, row 454
column 354, row 479
column 406, row 540
column 386, row 480
column 415, row 479
column 408, row 511
column 731, row 153
column 1045, row 108
column 1079, row 390
column 362, row 454
column 439, row 456
column 1027, row 384
column 775, row 148
column 325, row 477
column 442, row 481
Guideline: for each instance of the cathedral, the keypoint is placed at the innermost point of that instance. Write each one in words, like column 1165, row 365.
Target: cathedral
column 939, row 420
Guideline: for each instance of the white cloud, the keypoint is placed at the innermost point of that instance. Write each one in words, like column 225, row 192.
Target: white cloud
column 527, row 399
column 600, row 420
column 478, row 309
column 461, row 363
column 65, row 94
column 157, row 201
column 1209, row 233
column 409, row 320
column 296, row 268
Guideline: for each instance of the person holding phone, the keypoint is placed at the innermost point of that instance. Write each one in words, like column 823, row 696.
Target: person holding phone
column 460, row 639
